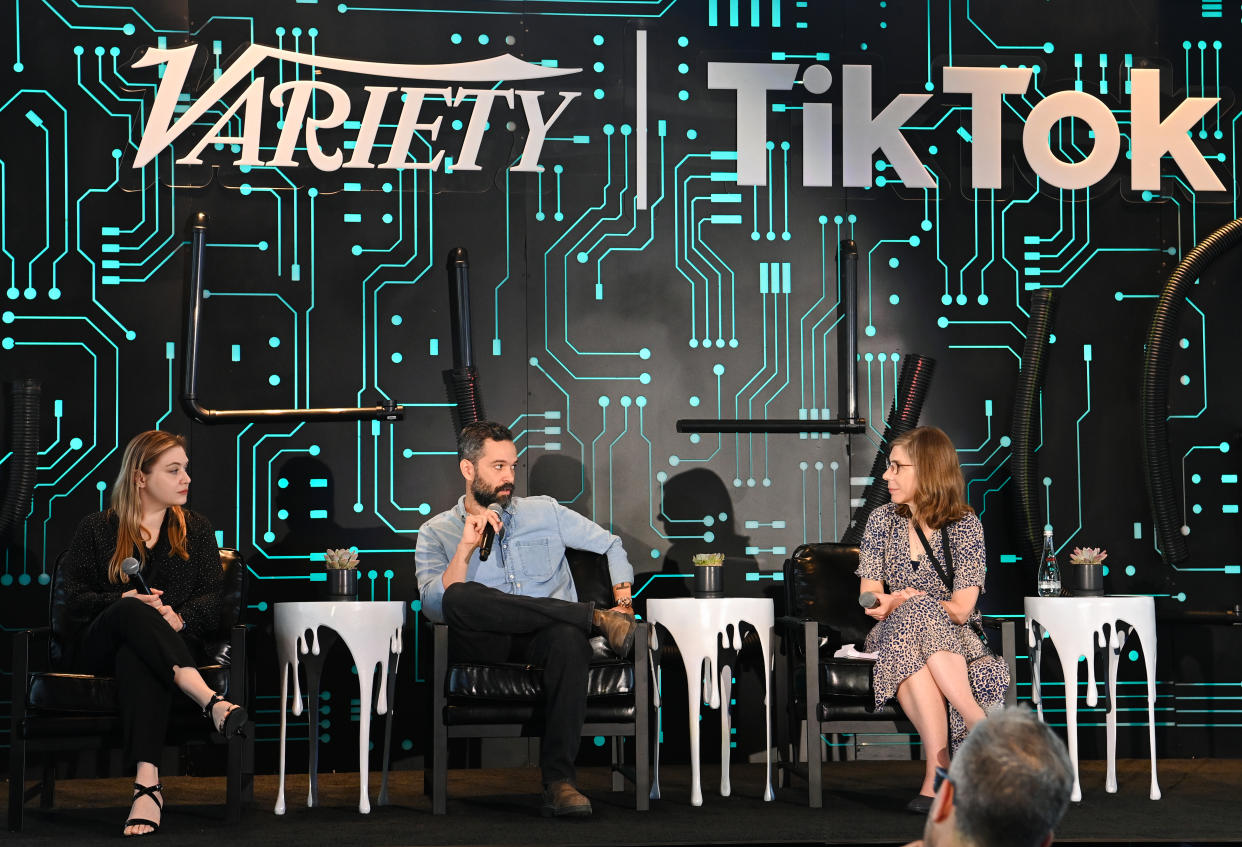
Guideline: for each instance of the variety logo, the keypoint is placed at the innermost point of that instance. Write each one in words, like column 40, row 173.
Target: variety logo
column 301, row 131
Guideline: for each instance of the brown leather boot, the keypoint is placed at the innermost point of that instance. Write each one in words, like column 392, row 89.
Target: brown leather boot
column 561, row 799
column 618, row 628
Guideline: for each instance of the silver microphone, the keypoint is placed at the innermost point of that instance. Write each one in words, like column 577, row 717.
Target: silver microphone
column 133, row 567
column 868, row 600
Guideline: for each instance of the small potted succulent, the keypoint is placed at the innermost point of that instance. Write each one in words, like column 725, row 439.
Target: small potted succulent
column 708, row 574
column 342, row 568
column 1086, row 577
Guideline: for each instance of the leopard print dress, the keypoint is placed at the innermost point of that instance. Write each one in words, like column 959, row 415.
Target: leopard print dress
column 921, row 626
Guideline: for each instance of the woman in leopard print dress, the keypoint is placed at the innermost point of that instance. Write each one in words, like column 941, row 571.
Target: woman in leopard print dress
column 925, row 633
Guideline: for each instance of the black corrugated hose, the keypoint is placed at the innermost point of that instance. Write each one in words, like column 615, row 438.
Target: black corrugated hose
column 912, row 384
column 1154, row 395
column 462, row 387
column 24, row 395
column 1022, row 465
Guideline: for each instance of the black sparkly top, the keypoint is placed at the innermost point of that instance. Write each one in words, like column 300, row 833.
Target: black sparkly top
column 191, row 587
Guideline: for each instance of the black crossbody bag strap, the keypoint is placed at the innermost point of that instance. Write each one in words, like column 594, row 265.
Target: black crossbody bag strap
column 945, row 577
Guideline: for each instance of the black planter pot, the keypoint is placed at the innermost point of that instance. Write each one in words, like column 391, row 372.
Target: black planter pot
column 1086, row 580
column 708, row 581
column 342, row 584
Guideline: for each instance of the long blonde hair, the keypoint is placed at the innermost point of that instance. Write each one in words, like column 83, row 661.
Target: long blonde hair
column 140, row 455
column 940, row 497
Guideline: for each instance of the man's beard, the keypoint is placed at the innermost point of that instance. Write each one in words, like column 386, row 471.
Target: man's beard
column 487, row 496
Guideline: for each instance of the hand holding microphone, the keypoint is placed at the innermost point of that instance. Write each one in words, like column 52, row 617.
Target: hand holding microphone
column 868, row 600
column 133, row 568
column 489, row 533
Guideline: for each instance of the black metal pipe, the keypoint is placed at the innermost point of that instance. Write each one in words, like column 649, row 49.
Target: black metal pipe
column 189, row 361
column 771, row 425
column 458, row 266
column 847, row 339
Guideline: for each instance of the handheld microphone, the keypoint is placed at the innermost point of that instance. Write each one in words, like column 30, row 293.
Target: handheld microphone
column 132, row 567
column 868, row 600
column 489, row 534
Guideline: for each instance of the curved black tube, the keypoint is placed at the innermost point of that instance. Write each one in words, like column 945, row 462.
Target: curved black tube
column 1154, row 393
column 462, row 380
column 24, row 397
column 189, row 393
column 912, row 385
column 1022, row 465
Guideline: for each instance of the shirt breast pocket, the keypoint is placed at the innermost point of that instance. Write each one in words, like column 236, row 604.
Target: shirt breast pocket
column 532, row 559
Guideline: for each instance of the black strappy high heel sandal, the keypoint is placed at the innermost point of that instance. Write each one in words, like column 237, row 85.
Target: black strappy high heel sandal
column 145, row 791
column 234, row 720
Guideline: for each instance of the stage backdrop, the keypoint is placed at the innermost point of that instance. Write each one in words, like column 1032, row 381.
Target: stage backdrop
column 652, row 194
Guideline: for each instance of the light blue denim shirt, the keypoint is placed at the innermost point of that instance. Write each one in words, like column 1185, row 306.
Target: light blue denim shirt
column 528, row 558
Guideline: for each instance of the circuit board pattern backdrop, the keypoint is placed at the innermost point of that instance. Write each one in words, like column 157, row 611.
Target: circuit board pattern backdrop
column 634, row 281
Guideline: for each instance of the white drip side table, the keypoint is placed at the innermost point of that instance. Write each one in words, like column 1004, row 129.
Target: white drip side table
column 1078, row 626
column 694, row 625
column 372, row 633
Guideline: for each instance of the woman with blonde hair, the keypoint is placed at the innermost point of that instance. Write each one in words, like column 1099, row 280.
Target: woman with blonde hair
column 149, row 642
column 922, row 556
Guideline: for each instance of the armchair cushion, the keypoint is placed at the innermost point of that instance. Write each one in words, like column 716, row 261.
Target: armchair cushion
column 71, row 693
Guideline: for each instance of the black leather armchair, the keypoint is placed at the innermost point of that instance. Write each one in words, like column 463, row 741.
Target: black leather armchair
column 497, row 701
column 830, row 695
column 54, row 712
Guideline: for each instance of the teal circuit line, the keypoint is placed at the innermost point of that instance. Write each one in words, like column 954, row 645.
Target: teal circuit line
column 237, row 494
column 651, row 217
column 1203, row 361
column 375, row 504
column 1086, row 355
column 294, row 312
column 271, row 460
column 983, row 480
column 94, row 441
column 719, row 439
column 678, row 202
column 508, row 250
column 625, row 428
column 594, row 467
column 1017, row 274
column 416, row 228
column 663, row 7
column 987, row 414
column 698, row 223
column 254, row 518
column 995, row 490
column 1185, row 513
column 763, row 368
column 534, row 362
column 58, row 413
column 802, row 331
column 785, row 234
column 168, row 355
column 565, row 277
column 1046, row 46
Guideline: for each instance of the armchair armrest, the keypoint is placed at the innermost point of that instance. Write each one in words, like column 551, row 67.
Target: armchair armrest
column 1008, row 653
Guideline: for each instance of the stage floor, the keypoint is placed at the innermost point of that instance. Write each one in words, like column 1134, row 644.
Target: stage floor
column 862, row 805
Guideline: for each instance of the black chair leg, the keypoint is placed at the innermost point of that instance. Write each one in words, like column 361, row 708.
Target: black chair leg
column 814, row 764
column 618, row 759
column 47, row 797
column 17, row 783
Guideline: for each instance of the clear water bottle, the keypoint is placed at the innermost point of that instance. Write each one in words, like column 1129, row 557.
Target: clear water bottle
column 1048, row 580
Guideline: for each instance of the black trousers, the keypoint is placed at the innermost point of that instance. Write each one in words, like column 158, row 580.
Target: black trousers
column 132, row 642
column 489, row 626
